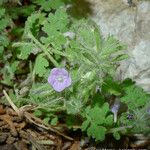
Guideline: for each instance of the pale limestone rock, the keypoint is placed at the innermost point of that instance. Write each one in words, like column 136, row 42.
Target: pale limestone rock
column 131, row 25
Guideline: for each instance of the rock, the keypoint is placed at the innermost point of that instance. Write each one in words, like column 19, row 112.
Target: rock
column 128, row 21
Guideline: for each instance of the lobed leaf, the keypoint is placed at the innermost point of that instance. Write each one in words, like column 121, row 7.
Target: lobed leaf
column 96, row 121
column 40, row 65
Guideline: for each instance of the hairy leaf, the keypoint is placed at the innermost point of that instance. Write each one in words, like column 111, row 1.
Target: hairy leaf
column 135, row 97
column 96, row 120
column 49, row 4
column 40, row 65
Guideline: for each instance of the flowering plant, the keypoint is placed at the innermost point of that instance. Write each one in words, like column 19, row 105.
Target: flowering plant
column 67, row 69
column 59, row 79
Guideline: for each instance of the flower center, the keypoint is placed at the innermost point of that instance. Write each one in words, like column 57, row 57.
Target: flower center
column 60, row 79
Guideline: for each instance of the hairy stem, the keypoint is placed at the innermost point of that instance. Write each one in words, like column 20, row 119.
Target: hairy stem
column 44, row 50
column 119, row 129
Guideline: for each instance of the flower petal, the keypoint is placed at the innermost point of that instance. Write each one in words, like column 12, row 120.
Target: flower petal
column 53, row 79
column 58, row 86
column 68, row 82
column 55, row 71
column 64, row 72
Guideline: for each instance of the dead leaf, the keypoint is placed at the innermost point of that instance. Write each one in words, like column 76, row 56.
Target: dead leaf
column 2, row 110
column 75, row 146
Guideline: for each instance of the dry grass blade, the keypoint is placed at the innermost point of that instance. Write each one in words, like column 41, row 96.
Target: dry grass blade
column 38, row 122
column 16, row 109
column 32, row 119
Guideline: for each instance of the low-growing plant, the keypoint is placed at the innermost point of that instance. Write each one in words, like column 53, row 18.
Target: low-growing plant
column 70, row 74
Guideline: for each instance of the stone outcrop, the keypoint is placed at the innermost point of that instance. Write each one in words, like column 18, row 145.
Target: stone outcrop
column 128, row 21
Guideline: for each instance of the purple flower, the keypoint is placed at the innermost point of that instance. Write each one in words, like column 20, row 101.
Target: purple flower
column 130, row 116
column 59, row 79
column 115, row 108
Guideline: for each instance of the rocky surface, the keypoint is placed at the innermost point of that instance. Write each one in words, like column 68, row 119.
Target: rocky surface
column 128, row 21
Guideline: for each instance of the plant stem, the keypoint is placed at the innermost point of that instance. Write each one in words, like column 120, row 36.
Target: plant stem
column 44, row 50
column 59, row 53
column 119, row 129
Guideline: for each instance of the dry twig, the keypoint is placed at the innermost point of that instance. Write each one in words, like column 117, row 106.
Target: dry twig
column 32, row 119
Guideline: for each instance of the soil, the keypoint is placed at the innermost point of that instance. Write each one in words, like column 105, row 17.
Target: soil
column 17, row 133
column 29, row 133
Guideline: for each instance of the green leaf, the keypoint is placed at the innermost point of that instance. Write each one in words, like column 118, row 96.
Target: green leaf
column 49, row 4
column 4, row 23
column 98, row 37
column 46, row 120
column 24, row 11
column 56, row 4
column 54, row 121
column 95, row 120
column 41, row 90
column 74, row 106
column 55, row 26
column 111, row 86
column 33, row 23
column 40, row 65
column 4, row 41
column 111, row 45
column 14, row 66
column 71, row 120
column 135, row 97
column 98, row 99
column 1, row 51
column 85, row 125
column 8, row 72
column 38, row 113
column 57, row 40
column 97, row 132
column 2, row 12
column 56, row 22
column 121, row 57
column 86, row 36
column 91, row 53
column 116, row 135
column 109, row 120
column 26, row 49
column 127, row 82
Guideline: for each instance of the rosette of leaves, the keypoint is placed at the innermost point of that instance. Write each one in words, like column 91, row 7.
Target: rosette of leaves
column 92, row 52
column 93, row 56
